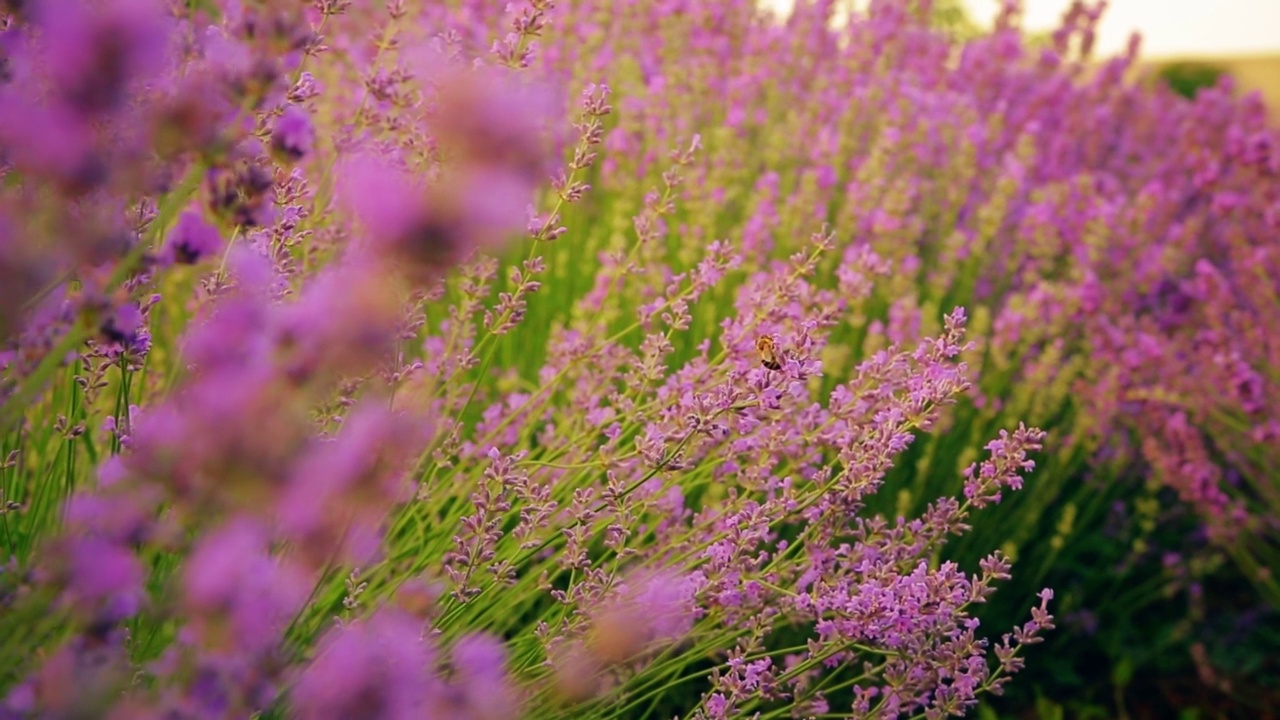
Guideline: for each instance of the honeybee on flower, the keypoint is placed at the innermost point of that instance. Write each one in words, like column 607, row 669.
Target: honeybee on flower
column 769, row 355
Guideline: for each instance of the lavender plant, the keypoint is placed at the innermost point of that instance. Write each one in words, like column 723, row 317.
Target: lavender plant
column 1060, row 199
column 364, row 359
column 964, row 167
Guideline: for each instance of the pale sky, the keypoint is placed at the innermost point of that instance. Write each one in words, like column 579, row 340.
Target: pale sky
column 1168, row 27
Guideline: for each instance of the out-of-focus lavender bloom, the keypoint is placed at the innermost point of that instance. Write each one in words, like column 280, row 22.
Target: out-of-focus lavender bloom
column 103, row 578
column 292, row 135
column 341, row 489
column 24, row 271
column 81, row 679
column 481, row 688
column 95, row 53
column 123, row 325
column 238, row 596
column 243, row 193
column 377, row 667
column 494, row 121
column 191, row 240
column 649, row 608
column 493, row 132
column 343, row 324
column 50, row 141
column 426, row 229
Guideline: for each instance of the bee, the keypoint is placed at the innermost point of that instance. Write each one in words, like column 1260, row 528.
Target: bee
column 769, row 356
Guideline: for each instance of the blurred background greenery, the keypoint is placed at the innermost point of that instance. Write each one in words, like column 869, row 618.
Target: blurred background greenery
column 1251, row 73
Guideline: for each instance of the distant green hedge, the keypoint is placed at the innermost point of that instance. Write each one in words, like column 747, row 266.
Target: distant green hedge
column 1188, row 78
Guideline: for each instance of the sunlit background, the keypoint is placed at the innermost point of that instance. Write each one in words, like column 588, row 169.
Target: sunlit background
column 1170, row 28
column 1238, row 38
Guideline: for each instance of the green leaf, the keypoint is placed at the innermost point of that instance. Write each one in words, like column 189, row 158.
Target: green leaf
column 1122, row 673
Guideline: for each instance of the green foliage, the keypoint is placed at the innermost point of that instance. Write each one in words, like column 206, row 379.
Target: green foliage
column 1189, row 78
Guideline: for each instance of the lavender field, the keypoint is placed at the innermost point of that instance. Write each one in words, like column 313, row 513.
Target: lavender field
column 468, row 359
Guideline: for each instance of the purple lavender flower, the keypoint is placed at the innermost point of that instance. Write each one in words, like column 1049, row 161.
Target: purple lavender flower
column 242, row 193
column 49, row 141
column 649, row 608
column 83, row 678
column 378, row 667
column 494, row 121
column 24, row 271
column 94, row 53
column 342, row 324
column 340, row 491
column 292, row 135
column 191, row 240
column 427, row 229
column 123, row 325
column 476, row 203
column 240, row 598
column 481, row 688
column 103, row 579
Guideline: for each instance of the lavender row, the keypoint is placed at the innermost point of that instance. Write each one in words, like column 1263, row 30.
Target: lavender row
column 563, row 359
